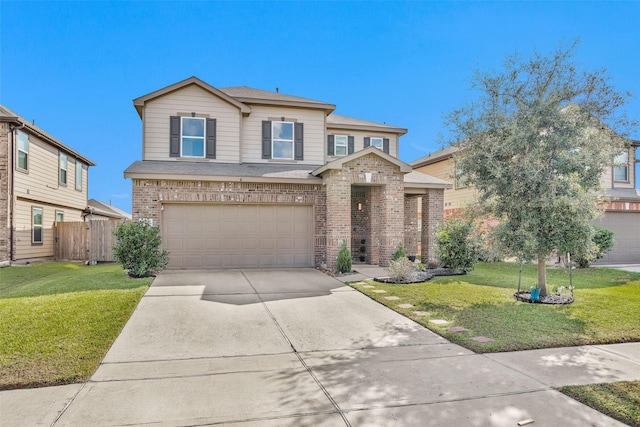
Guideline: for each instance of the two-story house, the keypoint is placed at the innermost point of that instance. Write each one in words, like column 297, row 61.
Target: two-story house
column 622, row 205
column 41, row 181
column 241, row 177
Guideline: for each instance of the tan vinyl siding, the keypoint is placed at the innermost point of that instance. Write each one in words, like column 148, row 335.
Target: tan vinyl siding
column 41, row 181
column 359, row 140
column 631, row 171
column 314, row 135
column 454, row 198
column 24, row 249
column 191, row 99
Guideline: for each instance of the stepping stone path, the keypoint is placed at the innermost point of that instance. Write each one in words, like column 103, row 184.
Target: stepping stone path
column 405, row 305
column 457, row 329
column 439, row 321
column 482, row 339
column 380, row 291
column 421, row 313
column 368, row 286
column 392, row 298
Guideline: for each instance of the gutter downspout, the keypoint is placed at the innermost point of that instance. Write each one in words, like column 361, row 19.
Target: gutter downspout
column 11, row 191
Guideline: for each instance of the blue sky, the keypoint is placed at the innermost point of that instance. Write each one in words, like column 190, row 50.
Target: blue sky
column 75, row 67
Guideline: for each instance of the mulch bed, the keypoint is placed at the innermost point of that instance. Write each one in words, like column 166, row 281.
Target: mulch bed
column 525, row 296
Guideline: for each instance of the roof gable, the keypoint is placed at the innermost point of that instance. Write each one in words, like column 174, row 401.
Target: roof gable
column 140, row 102
column 339, row 163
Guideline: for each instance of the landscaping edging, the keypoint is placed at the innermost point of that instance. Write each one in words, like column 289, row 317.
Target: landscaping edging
column 423, row 276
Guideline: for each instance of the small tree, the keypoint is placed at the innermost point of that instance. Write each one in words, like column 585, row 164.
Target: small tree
column 534, row 146
column 344, row 259
column 457, row 246
column 399, row 253
column 137, row 248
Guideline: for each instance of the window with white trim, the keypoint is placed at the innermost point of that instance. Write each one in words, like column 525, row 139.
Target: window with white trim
column 282, row 140
column 36, row 228
column 192, row 137
column 340, row 145
column 621, row 167
column 78, row 175
column 377, row 142
column 23, row 151
column 63, row 168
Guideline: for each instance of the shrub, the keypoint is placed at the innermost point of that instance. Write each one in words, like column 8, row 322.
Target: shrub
column 344, row 259
column 399, row 253
column 402, row 270
column 603, row 241
column 137, row 248
column 457, row 246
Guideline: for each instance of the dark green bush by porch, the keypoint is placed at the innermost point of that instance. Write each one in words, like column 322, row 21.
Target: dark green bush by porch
column 138, row 249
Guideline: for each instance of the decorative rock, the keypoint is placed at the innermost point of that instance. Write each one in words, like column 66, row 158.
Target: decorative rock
column 439, row 321
column 421, row 313
column 392, row 298
column 457, row 329
column 405, row 305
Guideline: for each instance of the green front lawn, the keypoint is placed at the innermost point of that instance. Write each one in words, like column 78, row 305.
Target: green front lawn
column 605, row 309
column 618, row 400
column 57, row 320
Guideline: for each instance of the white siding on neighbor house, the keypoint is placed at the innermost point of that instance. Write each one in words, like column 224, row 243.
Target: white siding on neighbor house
column 359, row 136
column 24, row 249
column 314, row 132
column 41, row 181
column 186, row 100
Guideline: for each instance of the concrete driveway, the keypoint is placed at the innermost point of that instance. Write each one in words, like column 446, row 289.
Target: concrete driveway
column 298, row 348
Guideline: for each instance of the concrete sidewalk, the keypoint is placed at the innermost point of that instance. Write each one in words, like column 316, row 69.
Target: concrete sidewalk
column 298, row 348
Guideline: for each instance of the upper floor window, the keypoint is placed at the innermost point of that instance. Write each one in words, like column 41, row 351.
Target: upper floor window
column 380, row 143
column 23, row 151
column 63, row 168
column 78, row 175
column 36, row 229
column 282, row 140
column 377, row 142
column 192, row 137
column 621, row 167
column 340, row 144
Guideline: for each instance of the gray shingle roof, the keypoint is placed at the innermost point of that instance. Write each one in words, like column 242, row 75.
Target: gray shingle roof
column 264, row 170
column 415, row 177
column 337, row 119
column 247, row 92
column 436, row 156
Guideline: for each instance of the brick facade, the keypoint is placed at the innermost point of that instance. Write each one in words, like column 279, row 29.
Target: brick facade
column 432, row 215
column 411, row 226
column 5, row 225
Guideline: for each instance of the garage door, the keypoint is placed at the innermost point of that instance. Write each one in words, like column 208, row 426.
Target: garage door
column 202, row 236
column 626, row 226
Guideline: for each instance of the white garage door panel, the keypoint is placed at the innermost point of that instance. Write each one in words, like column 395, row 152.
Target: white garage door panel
column 626, row 226
column 238, row 236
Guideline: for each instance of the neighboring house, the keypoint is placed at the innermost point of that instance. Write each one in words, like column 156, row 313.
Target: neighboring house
column 99, row 210
column 241, row 177
column 622, row 211
column 41, row 181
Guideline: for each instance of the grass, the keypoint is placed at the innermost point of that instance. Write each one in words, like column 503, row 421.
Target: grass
column 605, row 309
column 57, row 320
column 619, row 400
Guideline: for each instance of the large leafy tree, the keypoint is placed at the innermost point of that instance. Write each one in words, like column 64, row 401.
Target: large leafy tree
column 534, row 144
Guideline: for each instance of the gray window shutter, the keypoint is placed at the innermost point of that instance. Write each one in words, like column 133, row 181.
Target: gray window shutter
column 367, row 141
column 174, row 133
column 330, row 145
column 211, row 139
column 266, row 139
column 385, row 145
column 298, row 141
column 350, row 145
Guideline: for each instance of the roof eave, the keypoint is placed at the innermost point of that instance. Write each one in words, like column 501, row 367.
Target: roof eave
column 388, row 129
column 338, row 163
column 221, row 178
column 327, row 108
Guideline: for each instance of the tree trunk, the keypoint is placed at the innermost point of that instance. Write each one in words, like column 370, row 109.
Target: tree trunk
column 542, row 275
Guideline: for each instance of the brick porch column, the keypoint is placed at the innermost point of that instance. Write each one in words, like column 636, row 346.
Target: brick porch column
column 392, row 218
column 432, row 215
column 411, row 225
column 338, row 193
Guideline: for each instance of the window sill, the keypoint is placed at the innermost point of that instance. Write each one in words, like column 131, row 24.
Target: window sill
column 282, row 161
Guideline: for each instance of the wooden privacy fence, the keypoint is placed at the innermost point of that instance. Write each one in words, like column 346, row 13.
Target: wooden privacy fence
column 85, row 241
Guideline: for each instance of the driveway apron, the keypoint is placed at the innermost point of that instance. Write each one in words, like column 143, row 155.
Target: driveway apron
column 299, row 348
